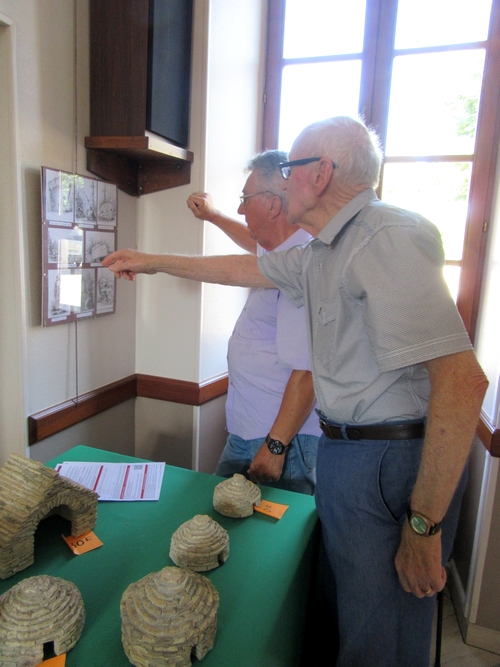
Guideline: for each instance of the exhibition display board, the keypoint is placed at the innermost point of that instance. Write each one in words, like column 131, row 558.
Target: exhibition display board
column 264, row 586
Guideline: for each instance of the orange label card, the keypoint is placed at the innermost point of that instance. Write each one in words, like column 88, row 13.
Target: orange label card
column 58, row 661
column 273, row 509
column 81, row 544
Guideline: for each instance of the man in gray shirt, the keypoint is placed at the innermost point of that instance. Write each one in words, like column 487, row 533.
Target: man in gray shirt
column 398, row 385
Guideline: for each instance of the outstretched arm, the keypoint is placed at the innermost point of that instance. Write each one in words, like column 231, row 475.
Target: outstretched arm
column 201, row 205
column 458, row 386
column 238, row 270
column 297, row 403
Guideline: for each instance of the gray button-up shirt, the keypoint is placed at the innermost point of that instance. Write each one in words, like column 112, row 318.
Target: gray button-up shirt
column 377, row 307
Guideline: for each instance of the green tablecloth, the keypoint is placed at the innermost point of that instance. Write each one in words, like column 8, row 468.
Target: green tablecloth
column 263, row 586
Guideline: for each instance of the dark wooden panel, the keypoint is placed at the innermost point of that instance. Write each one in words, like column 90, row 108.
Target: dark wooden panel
column 43, row 424
column 118, row 66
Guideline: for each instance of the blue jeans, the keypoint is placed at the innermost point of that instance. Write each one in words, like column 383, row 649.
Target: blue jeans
column 298, row 474
column 362, row 493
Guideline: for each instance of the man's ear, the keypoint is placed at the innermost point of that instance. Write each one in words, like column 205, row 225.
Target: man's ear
column 275, row 206
column 323, row 175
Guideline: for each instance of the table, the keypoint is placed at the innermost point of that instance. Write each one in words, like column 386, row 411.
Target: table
column 264, row 586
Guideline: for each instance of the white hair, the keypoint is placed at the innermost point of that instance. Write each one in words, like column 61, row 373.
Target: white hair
column 350, row 144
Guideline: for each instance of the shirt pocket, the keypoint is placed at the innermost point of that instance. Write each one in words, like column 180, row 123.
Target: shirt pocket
column 326, row 328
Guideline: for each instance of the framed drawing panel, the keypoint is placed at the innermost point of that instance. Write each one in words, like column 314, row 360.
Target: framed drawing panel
column 79, row 228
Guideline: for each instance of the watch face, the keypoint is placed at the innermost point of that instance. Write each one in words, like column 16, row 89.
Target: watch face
column 418, row 525
column 275, row 447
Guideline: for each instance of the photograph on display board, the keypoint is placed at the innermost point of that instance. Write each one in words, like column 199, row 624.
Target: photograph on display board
column 79, row 229
column 86, row 201
column 106, row 211
column 65, row 247
column 58, row 197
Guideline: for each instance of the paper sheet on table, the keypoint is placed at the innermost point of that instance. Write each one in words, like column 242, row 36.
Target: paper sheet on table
column 117, row 481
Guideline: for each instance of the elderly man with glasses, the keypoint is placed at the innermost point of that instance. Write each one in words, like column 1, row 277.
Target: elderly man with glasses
column 273, row 428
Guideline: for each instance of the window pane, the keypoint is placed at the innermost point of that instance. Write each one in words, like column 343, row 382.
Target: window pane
column 314, row 92
column 452, row 276
column 323, row 27
column 434, row 102
column 437, row 190
column 439, row 22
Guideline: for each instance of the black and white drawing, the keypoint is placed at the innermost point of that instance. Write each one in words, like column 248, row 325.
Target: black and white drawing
column 65, row 247
column 85, row 201
column 106, row 211
column 98, row 245
column 105, row 289
column 55, row 306
column 88, row 292
column 59, row 197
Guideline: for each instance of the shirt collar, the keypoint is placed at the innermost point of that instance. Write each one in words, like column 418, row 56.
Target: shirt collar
column 335, row 225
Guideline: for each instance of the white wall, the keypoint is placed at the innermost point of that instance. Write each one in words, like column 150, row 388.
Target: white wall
column 41, row 132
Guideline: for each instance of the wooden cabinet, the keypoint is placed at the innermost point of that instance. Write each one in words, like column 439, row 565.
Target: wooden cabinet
column 140, row 60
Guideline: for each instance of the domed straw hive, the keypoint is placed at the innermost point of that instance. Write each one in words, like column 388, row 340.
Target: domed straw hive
column 167, row 616
column 199, row 544
column 37, row 611
column 235, row 497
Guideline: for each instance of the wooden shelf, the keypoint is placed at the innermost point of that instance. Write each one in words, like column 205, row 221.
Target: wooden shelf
column 139, row 165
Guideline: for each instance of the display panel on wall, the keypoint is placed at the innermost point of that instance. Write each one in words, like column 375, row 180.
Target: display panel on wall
column 79, row 228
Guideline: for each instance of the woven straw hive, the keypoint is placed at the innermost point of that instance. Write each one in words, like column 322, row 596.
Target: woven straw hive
column 37, row 611
column 199, row 544
column 167, row 616
column 29, row 491
column 235, row 497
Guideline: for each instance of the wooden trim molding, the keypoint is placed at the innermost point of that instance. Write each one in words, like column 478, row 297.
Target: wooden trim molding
column 180, row 391
column 489, row 435
column 52, row 420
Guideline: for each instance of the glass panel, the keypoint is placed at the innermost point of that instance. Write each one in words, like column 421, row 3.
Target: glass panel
column 314, row 92
column 452, row 276
column 437, row 190
column 434, row 103
column 440, row 22
column 323, row 27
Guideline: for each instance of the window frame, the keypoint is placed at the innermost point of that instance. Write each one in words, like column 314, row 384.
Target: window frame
column 377, row 58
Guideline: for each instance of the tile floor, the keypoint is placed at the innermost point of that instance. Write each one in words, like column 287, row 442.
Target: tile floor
column 454, row 653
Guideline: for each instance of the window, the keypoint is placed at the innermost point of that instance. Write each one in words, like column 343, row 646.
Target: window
column 426, row 76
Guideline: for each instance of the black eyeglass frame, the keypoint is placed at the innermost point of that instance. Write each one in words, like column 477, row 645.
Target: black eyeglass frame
column 285, row 167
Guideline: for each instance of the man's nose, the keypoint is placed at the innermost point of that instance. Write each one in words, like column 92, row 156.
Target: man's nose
column 241, row 209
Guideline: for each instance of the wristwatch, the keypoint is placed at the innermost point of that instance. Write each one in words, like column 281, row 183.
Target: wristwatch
column 275, row 446
column 421, row 524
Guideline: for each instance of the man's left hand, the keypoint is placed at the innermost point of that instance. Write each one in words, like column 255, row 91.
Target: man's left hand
column 266, row 467
column 418, row 563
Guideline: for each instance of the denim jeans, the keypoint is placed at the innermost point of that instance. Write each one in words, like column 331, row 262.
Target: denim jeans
column 298, row 474
column 362, row 493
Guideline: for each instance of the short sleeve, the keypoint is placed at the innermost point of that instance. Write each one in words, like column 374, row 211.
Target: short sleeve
column 284, row 269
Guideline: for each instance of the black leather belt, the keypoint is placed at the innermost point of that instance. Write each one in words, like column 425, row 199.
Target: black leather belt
column 377, row 432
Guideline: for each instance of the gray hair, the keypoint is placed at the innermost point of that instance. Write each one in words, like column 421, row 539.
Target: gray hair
column 267, row 165
column 354, row 147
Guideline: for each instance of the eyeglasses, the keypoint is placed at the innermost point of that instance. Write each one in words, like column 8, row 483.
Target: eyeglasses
column 262, row 192
column 286, row 167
